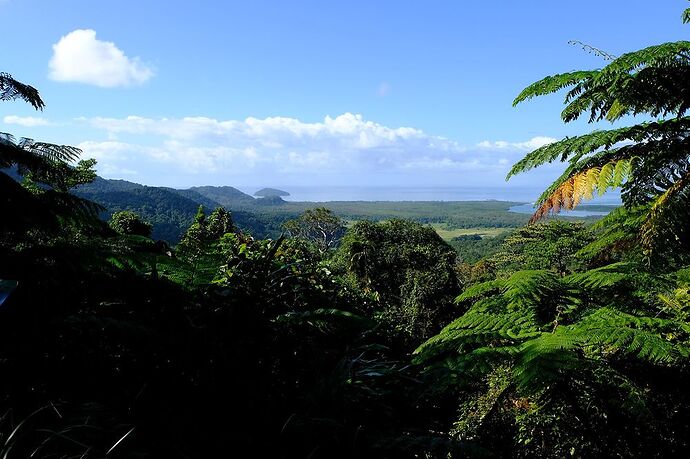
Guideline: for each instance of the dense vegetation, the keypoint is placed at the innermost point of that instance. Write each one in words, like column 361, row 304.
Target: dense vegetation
column 171, row 211
column 558, row 339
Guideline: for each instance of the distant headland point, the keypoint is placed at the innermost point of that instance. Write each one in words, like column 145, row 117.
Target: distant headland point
column 270, row 192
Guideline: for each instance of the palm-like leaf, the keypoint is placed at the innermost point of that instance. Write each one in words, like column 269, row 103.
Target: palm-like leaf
column 650, row 161
column 11, row 89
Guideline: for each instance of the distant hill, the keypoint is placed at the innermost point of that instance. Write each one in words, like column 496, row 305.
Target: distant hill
column 270, row 192
column 171, row 211
column 225, row 195
column 195, row 196
column 270, row 201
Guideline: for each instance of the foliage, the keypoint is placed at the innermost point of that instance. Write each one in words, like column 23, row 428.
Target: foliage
column 548, row 335
column 319, row 226
column 472, row 248
column 126, row 222
column 573, row 344
column 11, row 89
column 407, row 267
column 552, row 245
column 649, row 160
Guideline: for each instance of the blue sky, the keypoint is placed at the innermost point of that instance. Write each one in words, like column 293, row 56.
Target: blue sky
column 303, row 92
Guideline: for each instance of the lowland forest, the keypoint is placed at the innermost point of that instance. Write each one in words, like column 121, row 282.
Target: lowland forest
column 147, row 322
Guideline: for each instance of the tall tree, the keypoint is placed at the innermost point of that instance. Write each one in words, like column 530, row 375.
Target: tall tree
column 319, row 226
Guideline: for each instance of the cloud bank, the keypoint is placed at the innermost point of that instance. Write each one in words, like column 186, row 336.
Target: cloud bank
column 347, row 149
column 80, row 57
column 26, row 121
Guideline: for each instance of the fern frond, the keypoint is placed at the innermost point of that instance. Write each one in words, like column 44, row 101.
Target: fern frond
column 577, row 147
column 525, row 289
column 476, row 327
column 551, row 84
column 544, row 359
column 610, row 331
column 11, row 89
column 652, row 55
column 606, row 276
column 50, row 151
column 667, row 219
column 476, row 291
column 581, row 185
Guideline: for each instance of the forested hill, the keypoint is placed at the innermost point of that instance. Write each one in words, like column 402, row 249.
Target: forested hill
column 226, row 196
column 169, row 210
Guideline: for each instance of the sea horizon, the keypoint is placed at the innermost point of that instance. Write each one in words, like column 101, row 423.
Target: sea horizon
column 527, row 195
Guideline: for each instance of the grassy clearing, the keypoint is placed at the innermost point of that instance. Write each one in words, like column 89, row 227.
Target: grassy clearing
column 449, row 233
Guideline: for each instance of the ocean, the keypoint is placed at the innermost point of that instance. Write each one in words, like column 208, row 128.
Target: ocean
column 401, row 193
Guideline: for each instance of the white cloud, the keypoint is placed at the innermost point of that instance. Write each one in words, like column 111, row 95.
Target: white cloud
column 531, row 144
column 347, row 147
column 26, row 121
column 80, row 57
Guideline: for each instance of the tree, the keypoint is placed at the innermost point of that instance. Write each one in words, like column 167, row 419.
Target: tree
column 551, row 245
column 408, row 267
column 44, row 202
column 128, row 222
column 649, row 160
column 319, row 226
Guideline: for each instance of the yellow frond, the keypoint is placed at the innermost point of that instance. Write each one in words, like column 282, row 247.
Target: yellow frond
column 591, row 182
column 605, row 177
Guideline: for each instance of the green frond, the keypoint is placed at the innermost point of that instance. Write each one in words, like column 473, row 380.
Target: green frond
column 652, row 55
column 606, row 177
column 617, row 110
column 525, row 289
column 574, row 148
column 606, row 276
column 610, row 332
column 666, row 222
column 50, row 151
column 476, row 327
column 686, row 16
column 476, row 291
column 603, row 244
column 544, row 359
column 552, row 84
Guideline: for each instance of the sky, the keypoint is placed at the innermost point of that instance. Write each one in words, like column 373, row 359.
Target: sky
column 356, row 93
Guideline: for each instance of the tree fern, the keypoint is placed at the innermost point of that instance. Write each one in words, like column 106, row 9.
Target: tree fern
column 649, row 160
column 510, row 327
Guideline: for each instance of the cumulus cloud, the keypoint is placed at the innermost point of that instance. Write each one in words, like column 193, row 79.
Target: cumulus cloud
column 528, row 145
column 80, row 57
column 348, row 147
column 26, row 121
